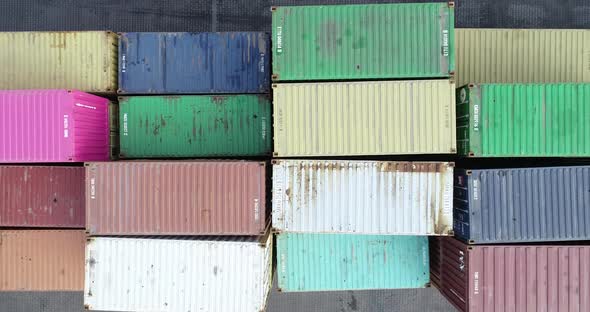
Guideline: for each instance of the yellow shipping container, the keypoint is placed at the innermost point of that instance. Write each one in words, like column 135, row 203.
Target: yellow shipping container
column 522, row 55
column 85, row 61
column 364, row 118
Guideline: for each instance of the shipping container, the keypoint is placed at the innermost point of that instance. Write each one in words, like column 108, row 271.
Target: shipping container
column 212, row 274
column 522, row 205
column 330, row 262
column 173, row 63
column 83, row 60
column 515, row 277
column 362, row 197
column 364, row 118
column 42, row 260
column 41, row 196
column 195, row 126
column 53, row 126
column 176, row 198
column 524, row 120
column 522, row 55
column 377, row 41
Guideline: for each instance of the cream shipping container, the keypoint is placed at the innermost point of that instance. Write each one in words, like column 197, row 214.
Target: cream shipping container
column 213, row 274
column 364, row 118
column 85, row 60
column 362, row 197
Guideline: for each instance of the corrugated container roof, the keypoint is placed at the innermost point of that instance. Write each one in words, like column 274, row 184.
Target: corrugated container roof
column 53, row 126
column 524, row 120
column 196, row 126
column 515, row 277
column 42, row 196
column 131, row 274
column 522, row 205
column 328, row 262
column 176, row 198
column 522, row 55
column 364, row 118
column 376, row 41
column 167, row 63
column 362, row 197
column 42, row 260
column 83, row 60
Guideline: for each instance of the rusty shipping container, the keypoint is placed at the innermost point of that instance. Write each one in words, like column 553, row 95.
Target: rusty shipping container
column 81, row 60
column 522, row 205
column 176, row 198
column 499, row 278
column 41, row 196
column 362, row 197
column 42, row 260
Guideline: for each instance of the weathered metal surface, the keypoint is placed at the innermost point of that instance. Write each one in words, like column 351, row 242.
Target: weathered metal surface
column 164, row 63
column 42, row 260
column 213, row 274
column 42, row 196
column 515, row 277
column 85, row 60
column 195, row 126
column 522, row 205
column 522, row 55
column 354, row 42
column 176, row 198
column 524, row 120
column 364, row 118
column 114, row 130
column 53, row 126
column 324, row 262
column 362, row 197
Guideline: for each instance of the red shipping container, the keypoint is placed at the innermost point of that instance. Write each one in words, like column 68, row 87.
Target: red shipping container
column 499, row 278
column 176, row 198
column 32, row 196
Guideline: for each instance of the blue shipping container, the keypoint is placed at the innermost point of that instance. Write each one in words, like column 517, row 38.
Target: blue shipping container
column 193, row 63
column 522, row 205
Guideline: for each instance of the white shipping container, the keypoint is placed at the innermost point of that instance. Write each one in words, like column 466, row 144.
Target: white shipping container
column 140, row 274
column 362, row 197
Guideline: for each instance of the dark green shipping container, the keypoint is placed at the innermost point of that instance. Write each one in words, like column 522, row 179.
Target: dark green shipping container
column 352, row 42
column 195, row 126
column 524, row 120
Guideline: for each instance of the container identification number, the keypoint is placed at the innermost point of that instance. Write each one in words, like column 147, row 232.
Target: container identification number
column 125, row 130
column 445, row 38
column 279, row 39
column 66, row 130
column 476, row 117
column 476, row 283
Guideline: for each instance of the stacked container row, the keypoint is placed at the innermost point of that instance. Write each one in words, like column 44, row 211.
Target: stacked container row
column 336, row 220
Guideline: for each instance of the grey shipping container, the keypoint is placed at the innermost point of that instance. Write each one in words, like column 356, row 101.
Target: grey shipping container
column 522, row 205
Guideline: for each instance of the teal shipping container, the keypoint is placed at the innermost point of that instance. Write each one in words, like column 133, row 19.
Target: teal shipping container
column 331, row 262
column 195, row 126
column 524, row 120
column 354, row 42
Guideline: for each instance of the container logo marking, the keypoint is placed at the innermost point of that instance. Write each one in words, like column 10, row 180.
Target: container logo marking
column 256, row 209
column 85, row 106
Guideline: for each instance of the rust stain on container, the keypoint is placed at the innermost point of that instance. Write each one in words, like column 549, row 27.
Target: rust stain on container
column 40, row 196
column 42, row 260
column 493, row 278
column 176, row 198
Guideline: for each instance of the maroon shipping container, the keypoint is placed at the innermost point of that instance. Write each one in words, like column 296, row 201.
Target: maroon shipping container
column 514, row 277
column 176, row 198
column 33, row 196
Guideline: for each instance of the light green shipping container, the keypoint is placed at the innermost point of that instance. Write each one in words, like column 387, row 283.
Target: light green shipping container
column 377, row 41
column 328, row 262
column 195, row 126
column 84, row 60
column 524, row 120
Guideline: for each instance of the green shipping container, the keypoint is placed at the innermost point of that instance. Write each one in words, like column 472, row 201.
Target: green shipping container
column 377, row 41
column 524, row 120
column 326, row 262
column 195, row 126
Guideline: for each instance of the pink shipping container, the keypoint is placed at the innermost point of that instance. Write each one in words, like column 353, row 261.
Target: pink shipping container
column 498, row 278
column 53, row 126
column 41, row 196
column 176, row 198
